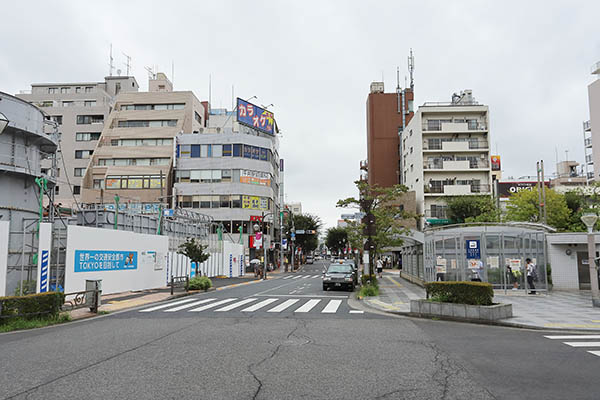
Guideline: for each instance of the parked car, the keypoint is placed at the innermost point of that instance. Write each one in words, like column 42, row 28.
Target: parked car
column 339, row 275
column 309, row 260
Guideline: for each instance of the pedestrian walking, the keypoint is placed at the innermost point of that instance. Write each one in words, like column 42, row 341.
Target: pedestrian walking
column 379, row 267
column 531, row 275
column 511, row 277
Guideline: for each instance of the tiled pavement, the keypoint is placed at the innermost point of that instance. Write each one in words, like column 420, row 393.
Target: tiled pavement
column 557, row 310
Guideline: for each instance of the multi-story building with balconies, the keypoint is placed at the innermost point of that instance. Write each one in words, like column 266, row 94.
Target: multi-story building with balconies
column 591, row 129
column 445, row 151
column 79, row 109
column 135, row 154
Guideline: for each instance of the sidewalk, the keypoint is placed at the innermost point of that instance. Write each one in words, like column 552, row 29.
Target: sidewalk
column 121, row 301
column 557, row 310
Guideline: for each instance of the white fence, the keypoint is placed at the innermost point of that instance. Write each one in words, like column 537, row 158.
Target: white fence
column 228, row 260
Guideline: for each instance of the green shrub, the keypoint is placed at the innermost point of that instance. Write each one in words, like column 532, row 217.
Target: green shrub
column 200, row 283
column 366, row 277
column 29, row 287
column 368, row 290
column 32, row 306
column 476, row 293
column 15, row 324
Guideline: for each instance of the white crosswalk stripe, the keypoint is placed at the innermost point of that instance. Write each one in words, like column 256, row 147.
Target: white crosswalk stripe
column 212, row 305
column 332, row 307
column 309, row 305
column 197, row 303
column 288, row 277
column 579, row 344
column 259, row 305
column 235, row 305
column 306, row 276
column 284, row 305
column 167, row 305
column 297, row 277
column 316, row 276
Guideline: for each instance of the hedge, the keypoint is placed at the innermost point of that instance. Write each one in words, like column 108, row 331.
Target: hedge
column 475, row 293
column 200, row 283
column 31, row 306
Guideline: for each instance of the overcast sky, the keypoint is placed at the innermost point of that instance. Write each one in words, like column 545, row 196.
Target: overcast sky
column 314, row 60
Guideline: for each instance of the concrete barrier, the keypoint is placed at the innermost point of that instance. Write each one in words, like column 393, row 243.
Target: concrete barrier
column 466, row 312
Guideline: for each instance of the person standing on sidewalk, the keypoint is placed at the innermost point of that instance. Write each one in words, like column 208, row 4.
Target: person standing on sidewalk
column 531, row 274
column 379, row 267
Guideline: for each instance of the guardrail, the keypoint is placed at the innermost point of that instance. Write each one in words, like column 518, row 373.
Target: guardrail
column 86, row 298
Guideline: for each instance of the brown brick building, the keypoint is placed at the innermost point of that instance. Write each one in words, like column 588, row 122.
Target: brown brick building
column 387, row 115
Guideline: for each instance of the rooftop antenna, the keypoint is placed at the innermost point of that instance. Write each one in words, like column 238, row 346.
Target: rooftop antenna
column 411, row 68
column 110, row 64
column 151, row 72
column 566, row 155
column 232, row 97
column 127, row 63
column 209, row 91
column 173, row 73
column 398, row 79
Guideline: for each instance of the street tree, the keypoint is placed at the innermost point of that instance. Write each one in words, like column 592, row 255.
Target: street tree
column 194, row 250
column 304, row 222
column 523, row 206
column 383, row 206
column 462, row 209
column 336, row 239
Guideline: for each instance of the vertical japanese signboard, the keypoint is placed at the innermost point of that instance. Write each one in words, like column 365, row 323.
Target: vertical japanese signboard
column 255, row 117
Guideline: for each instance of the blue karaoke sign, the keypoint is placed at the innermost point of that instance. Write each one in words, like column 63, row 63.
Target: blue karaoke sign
column 104, row 260
column 255, row 117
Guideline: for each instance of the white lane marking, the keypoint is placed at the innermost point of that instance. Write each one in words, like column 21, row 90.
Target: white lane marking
column 167, row 305
column 306, row 276
column 332, row 307
column 259, row 305
column 235, row 305
column 309, row 305
column 582, row 344
column 596, row 353
column 566, row 337
column 301, row 295
column 297, row 277
column 189, row 305
column 212, row 305
column 356, row 312
column 316, row 276
column 288, row 277
column 284, row 305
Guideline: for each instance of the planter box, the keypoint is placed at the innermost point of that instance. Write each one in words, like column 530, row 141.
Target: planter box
column 424, row 308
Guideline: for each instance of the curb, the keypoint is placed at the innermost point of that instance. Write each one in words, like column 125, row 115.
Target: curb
column 478, row 322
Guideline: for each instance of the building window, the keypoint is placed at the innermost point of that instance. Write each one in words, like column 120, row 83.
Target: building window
column 226, row 150
column 147, row 123
column 57, row 119
column 76, row 189
column 52, row 90
column 197, row 117
column 137, row 107
column 68, row 103
column 86, row 136
column 78, row 89
column 98, row 183
column 47, row 103
column 64, row 90
column 195, row 151
column 89, row 103
column 79, row 154
column 237, row 150
column 56, row 190
column 78, row 171
column 89, row 89
column 90, row 119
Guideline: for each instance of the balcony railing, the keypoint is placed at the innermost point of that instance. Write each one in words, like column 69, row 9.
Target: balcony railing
column 474, row 188
column 439, row 213
column 588, row 142
column 455, row 164
column 467, row 126
column 587, row 125
column 439, row 145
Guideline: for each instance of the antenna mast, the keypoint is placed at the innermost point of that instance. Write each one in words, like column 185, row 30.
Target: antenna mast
column 127, row 63
column 411, row 68
column 110, row 64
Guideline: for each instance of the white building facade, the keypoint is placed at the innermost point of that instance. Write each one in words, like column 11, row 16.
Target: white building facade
column 445, row 152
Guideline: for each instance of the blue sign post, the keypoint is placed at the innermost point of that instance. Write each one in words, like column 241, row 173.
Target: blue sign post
column 473, row 249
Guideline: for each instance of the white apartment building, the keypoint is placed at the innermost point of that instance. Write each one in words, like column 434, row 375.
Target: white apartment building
column 79, row 109
column 295, row 208
column 591, row 129
column 445, row 151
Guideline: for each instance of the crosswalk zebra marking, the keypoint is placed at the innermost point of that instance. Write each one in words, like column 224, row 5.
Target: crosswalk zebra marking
column 297, row 277
column 309, row 305
column 284, row 305
column 213, row 305
column 331, row 307
column 259, row 305
column 235, row 305
column 306, row 276
column 582, row 344
column 356, row 312
column 567, row 337
column 197, row 303
column 288, row 277
column 596, row 353
column 316, row 276
column 167, row 305
column 578, row 344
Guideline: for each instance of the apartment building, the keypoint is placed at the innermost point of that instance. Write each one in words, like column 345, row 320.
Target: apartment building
column 294, row 207
column 134, row 157
column 445, row 151
column 591, row 129
column 387, row 116
column 79, row 109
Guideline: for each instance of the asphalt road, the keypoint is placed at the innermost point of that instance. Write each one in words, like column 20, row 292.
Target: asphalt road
column 288, row 339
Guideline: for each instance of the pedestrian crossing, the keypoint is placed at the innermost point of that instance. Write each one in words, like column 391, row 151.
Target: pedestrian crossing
column 253, row 304
column 582, row 341
column 301, row 277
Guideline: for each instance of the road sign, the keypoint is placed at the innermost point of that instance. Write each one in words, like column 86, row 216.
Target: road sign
column 473, row 249
column 168, row 212
column 300, row 232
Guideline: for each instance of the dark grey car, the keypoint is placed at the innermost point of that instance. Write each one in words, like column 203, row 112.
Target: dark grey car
column 340, row 276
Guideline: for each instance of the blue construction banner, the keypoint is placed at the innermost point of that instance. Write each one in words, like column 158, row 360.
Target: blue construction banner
column 255, row 117
column 105, row 260
column 473, row 249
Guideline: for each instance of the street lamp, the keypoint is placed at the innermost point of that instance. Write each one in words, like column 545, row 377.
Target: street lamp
column 3, row 122
column 589, row 220
column 261, row 228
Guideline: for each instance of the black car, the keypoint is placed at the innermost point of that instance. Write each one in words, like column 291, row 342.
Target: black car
column 339, row 276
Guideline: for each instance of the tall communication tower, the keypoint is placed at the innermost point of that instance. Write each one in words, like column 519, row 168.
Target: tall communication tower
column 411, row 68
column 111, row 65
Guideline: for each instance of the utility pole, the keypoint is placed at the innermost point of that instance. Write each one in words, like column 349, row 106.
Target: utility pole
column 539, row 190
column 544, row 193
